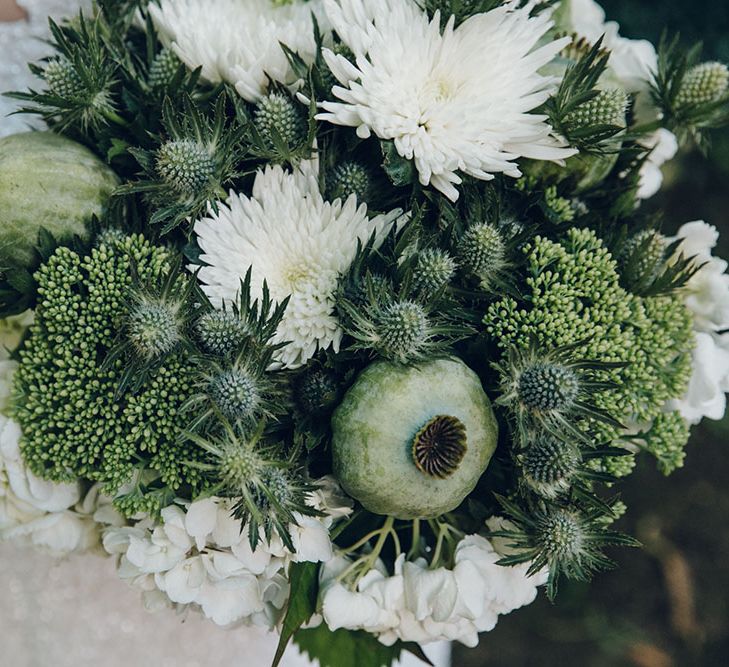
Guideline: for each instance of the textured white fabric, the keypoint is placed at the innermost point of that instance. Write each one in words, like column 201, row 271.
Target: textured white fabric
column 77, row 612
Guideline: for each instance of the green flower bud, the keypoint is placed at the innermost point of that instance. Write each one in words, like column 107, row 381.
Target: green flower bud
column 317, row 391
column 153, row 328
column 643, row 256
column 62, row 79
column 561, row 535
column 606, row 108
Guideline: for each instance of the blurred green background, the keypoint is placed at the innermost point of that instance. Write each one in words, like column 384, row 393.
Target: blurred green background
column 668, row 604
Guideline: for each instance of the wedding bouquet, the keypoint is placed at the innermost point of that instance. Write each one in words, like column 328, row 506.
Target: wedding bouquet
column 343, row 317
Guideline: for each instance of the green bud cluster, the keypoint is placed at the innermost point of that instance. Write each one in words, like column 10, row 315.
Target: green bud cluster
column 277, row 116
column 350, row 178
column 575, row 299
column 703, row 84
column 74, row 422
column 163, row 69
column 185, row 165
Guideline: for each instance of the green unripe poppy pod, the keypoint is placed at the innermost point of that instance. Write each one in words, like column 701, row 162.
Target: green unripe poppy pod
column 413, row 441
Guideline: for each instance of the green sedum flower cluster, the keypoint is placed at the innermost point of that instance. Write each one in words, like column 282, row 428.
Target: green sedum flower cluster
column 574, row 298
column 75, row 421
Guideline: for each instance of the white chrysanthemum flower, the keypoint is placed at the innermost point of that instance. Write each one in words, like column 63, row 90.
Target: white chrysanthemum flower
column 294, row 241
column 457, row 100
column 238, row 41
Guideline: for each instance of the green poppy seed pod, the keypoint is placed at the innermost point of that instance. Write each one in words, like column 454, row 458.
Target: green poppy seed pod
column 221, row 332
column 350, row 178
column 549, row 466
column 703, row 83
column 547, row 387
column 413, row 441
column 278, row 116
column 163, row 69
column 185, row 165
column 561, row 534
column 606, row 108
column 235, row 393
column 62, row 79
column 403, row 329
column 433, row 269
column 481, row 251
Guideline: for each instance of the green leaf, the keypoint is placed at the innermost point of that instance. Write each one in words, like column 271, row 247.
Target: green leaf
column 304, row 578
column 345, row 647
column 400, row 170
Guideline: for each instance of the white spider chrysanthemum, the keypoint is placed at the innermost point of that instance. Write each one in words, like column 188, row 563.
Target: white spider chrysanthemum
column 238, row 41
column 296, row 242
column 456, row 100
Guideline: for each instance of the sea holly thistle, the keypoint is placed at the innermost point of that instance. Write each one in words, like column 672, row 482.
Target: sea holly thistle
column 266, row 482
column 567, row 539
column 81, row 92
column 692, row 96
column 552, row 390
column 577, row 110
column 197, row 155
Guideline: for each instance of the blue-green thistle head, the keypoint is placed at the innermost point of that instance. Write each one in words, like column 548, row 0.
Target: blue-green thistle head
column 562, row 535
column 317, row 391
column 403, row 329
column 62, row 79
column 547, row 387
column 221, row 332
column 236, row 394
column 482, row 251
column 185, row 165
column 549, row 465
column 154, row 327
column 703, row 84
column 433, row 270
column 163, row 69
column 608, row 107
column 238, row 464
column 350, row 178
column 276, row 115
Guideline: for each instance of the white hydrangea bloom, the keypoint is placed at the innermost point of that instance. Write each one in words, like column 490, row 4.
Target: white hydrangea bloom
column 706, row 394
column 37, row 512
column 707, row 293
column 663, row 146
column 457, row 100
column 294, row 241
column 418, row 604
column 198, row 556
column 238, row 41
